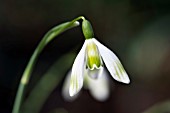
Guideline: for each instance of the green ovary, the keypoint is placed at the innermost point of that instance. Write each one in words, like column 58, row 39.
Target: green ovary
column 93, row 57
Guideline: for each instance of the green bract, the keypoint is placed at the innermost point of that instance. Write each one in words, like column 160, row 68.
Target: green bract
column 87, row 29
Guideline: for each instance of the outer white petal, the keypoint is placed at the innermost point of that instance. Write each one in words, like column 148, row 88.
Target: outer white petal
column 77, row 73
column 112, row 63
column 65, row 89
column 99, row 88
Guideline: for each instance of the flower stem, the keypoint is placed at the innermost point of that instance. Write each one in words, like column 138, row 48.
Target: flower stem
column 36, row 98
column 51, row 34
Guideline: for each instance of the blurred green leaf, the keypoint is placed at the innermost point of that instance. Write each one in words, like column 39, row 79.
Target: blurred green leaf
column 59, row 110
column 162, row 107
column 47, row 84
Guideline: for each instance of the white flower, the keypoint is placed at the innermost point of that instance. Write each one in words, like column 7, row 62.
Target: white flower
column 90, row 59
column 99, row 88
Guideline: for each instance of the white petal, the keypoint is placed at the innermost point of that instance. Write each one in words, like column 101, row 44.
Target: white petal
column 65, row 89
column 99, row 88
column 77, row 74
column 112, row 63
column 95, row 73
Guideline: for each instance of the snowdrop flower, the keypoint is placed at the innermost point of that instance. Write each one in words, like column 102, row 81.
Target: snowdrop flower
column 91, row 58
column 98, row 88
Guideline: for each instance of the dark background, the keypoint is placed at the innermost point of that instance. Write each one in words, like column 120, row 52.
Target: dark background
column 137, row 30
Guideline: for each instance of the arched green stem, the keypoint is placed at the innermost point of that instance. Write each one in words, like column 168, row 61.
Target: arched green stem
column 51, row 34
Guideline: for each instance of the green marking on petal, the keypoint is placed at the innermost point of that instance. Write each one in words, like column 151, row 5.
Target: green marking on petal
column 73, row 86
column 121, row 69
column 117, row 73
column 93, row 56
column 77, row 85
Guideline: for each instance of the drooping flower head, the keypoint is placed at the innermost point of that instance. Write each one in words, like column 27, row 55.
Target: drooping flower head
column 91, row 59
column 98, row 88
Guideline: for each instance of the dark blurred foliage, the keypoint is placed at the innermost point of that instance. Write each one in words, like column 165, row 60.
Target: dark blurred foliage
column 137, row 30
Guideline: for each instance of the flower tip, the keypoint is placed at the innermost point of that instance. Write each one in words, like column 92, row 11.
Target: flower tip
column 122, row 78
column 71, row 93
column 125, row 79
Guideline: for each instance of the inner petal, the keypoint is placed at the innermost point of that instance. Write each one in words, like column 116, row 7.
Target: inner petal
column 95, row 73
column 93, row 57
